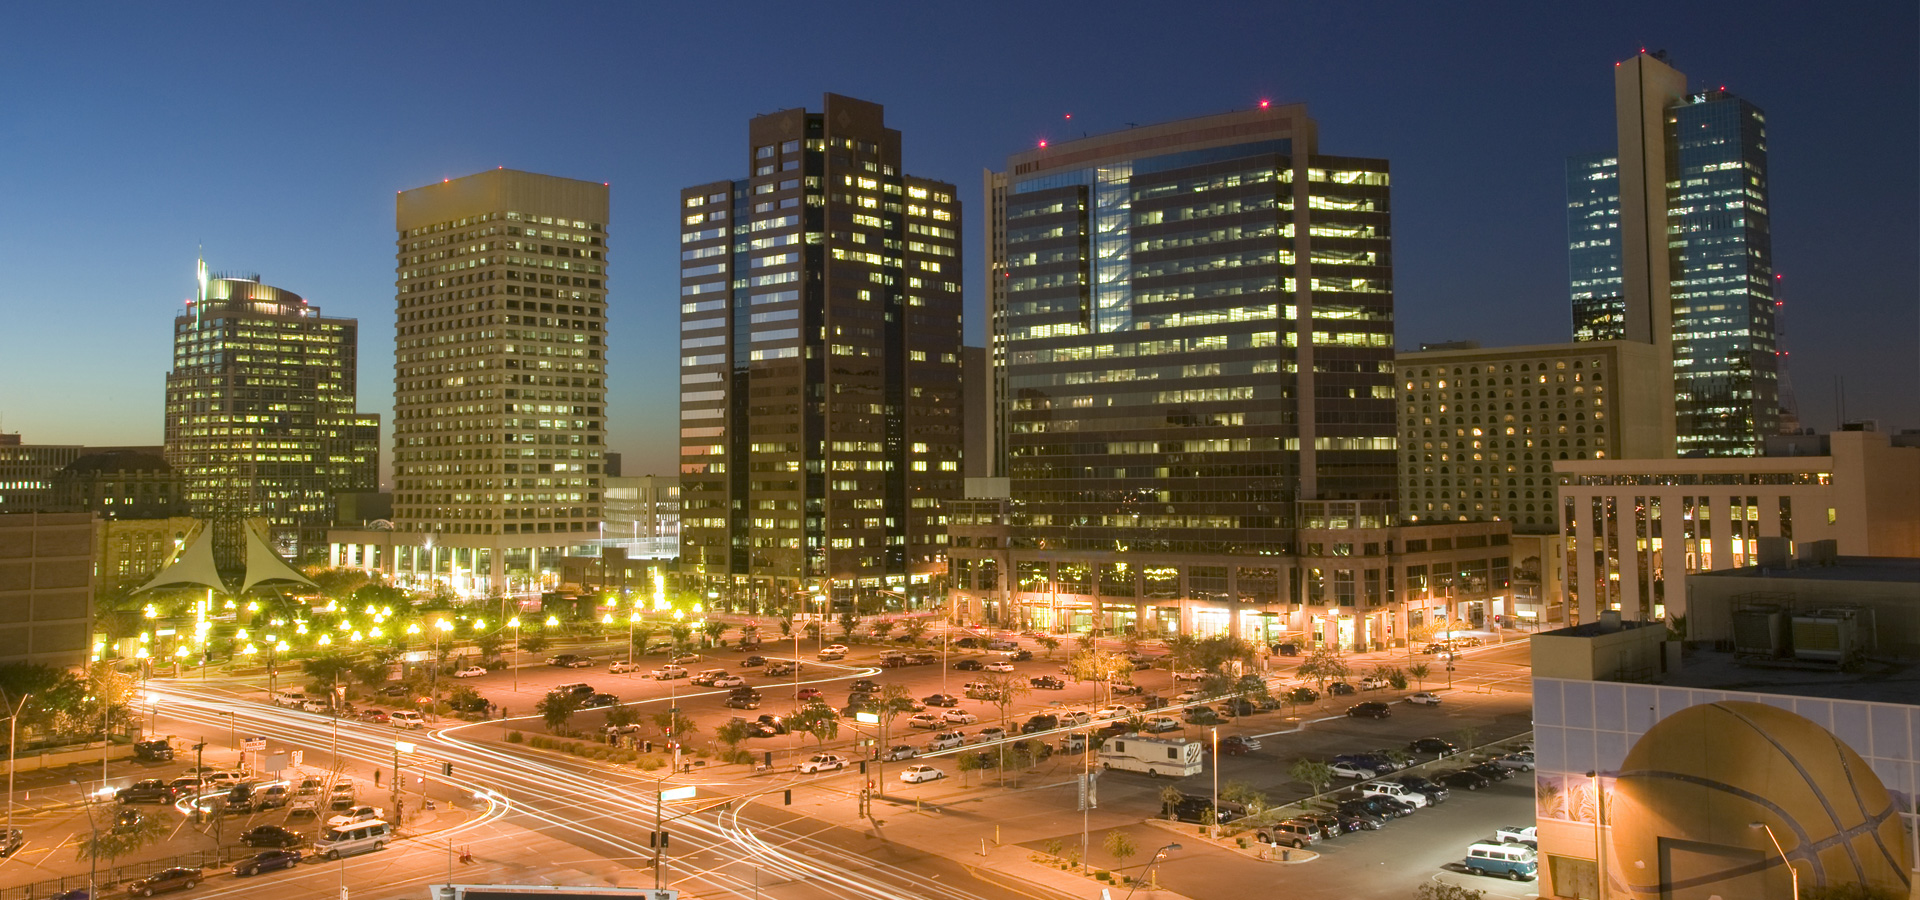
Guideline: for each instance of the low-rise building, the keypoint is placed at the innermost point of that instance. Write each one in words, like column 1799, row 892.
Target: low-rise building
column 46, row 588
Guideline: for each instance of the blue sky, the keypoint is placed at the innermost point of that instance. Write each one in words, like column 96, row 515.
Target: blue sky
column 275, row 135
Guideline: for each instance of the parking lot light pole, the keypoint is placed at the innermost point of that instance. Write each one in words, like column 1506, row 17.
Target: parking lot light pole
column 13, row 735
column 1216, row 781
column 512, row 662
column 1795, row 873
column 1144, row 873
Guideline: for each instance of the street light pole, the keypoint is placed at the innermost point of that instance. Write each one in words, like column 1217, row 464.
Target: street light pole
column 1149, row 869
column 13, row 734
column 1791, row 871
column 1216, row 781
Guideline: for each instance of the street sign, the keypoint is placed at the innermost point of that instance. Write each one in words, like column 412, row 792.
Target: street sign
column 679, row 793
column 253, row 744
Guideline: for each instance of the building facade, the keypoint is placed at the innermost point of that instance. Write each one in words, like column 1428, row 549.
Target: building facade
column 499, row 382
column 820, row 371
column 27, row 473
column 1689, row 267
column 643, row 512
column 47, row 588
column 121, row 484
column 260, row 417
column 1634, row 529
column 1481, row 429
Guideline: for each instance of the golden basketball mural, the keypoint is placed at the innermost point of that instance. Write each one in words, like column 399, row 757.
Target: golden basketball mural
column 1684, row 804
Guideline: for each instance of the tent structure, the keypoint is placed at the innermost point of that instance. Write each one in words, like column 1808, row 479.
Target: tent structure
column 195, row 565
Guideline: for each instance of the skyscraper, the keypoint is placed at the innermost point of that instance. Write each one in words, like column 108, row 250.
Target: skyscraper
column 1689, row 267
column 820, row 324
column 499, row 376
column 261, row 418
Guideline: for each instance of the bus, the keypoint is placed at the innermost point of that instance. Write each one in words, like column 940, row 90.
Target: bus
column 1156, row 756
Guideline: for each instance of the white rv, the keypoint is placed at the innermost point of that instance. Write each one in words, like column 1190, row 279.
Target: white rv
column 1155, row 756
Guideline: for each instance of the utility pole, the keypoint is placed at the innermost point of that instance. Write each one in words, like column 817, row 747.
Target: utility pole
column 13, row 736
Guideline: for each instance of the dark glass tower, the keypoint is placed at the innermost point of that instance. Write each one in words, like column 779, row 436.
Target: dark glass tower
column 820, row 365
column 1692, row 263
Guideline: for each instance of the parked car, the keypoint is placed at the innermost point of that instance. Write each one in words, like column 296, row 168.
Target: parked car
column 599, row 700
column 1369, row 709
column 946, row 740
column 1238, row 745
column 1340, row 689
column 376, row 716
column 1463, row 778
column 1374, row 683
column 1019, row 655
column 1303, row 695
column 1046, row 683
column 990, row 733
column 623, row 667
column 357, row 814
column 1492, row 771
column 828, row 654
column 768, row 720
column 1115, row 711
column 999, row 666
column 743, row 701
column 968, row 665
column 823, row 762
column 1424, row 698
column 1294, row 833
column 146, row 790
column 959, row 717
column 669, row 672
column 775, row 670
column 1434, row 746
column 1354, row 771
column 1520, row 761
column 928, row 721
column 728, row 681
column 1202, row 715
column 469, row 672
column 569, row 661
column 1397, row 791
column 1194, row 809
column 899, row 752
column 1383, row 807
column 1161, row 725
column 707, row 677
column 1435, row 793
column 1328, row 824
column 267, row 861
column 1040, row 722
column 753, row 662
column 406, row 718
column 921, row 773
column 11, row 840
column 127, row 821
column 835, row 648
column 941, row 700
column 1518, row 834
column 172, row 878
column 153, row 751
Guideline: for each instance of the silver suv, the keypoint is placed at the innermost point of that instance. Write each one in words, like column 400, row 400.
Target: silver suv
column 1293, row 833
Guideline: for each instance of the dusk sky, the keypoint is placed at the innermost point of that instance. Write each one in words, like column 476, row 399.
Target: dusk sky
column 276, row 135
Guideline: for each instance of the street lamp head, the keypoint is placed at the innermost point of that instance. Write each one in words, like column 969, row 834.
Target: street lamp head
column 552, row 621
column 513, row 622
column 1756, row 826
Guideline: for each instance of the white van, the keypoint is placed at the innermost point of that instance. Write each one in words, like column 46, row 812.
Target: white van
column 356, row 837
column 1515, row 861
column 406, row 718
column 289, row 698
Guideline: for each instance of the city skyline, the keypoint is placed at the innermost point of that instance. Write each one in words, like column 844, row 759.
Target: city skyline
column 1849, row 289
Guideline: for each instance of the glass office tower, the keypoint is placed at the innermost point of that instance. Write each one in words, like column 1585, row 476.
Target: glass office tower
column 1709, row 246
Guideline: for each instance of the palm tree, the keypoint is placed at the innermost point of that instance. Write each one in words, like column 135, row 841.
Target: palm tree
column 916, row 629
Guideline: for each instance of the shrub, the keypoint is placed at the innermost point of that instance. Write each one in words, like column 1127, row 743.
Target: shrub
column 515, row 737
column 649, row 763
column 1103, row 875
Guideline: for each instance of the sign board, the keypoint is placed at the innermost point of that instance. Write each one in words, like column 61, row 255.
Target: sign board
column 679, row 793
column 274, row 762
column 297, row 754
column 253, row 744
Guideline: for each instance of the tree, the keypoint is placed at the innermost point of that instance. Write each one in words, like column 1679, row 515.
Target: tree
column 1005, row 688
column 1170, row 797
column 681, row 634
column 620, row 715
column 1313, row 773
column 966, row 762
column 1323, row 665
column 58, row 695
column 848, row 622
column 1442, row 890
column 674, row 726
column 1085, row 641
column 1120, row 846
column 713, row 629
column 880, row 628
column 107, row 841
column 557, row 709
column 1469, row 737
column 536, row 642
column 786, row 625
column 916, row 630
column 1243, row 793
column 813, row 630
column 489, row 645
column 1182, row 652
column 1419, row 673
column 1130, row 642
column 818, row 720
column 642, row 636
column 750, row 633
column 732, row 734
column 1049, row 643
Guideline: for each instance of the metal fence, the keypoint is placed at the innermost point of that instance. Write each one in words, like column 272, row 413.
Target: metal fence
column 109, row 878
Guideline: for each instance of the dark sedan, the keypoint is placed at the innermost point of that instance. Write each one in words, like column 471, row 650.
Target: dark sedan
column 968, row 665
column 752, row 661
column 177, row 878
column 947, row 700
column 267, row 862
column 1302, row 695
column 1463, row 778
column 270, row 836
column 1434, row 746
column 1491, row 771
column 1371, row 709
column 1435, row 793
column 1047, row 683
column 1340, row 689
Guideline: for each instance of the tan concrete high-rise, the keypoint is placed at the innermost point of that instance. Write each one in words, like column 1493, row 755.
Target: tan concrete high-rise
column 499, row 377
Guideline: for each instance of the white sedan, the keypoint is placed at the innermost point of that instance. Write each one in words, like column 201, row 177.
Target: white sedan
column 1349, row 770
column 1002, row 666
column 834, row 648
column 959, row 717
column 919, row 774
column 926, row 720
column 1162, row 724
column 1424, row 698
column 470, row 672
column 728, row 681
